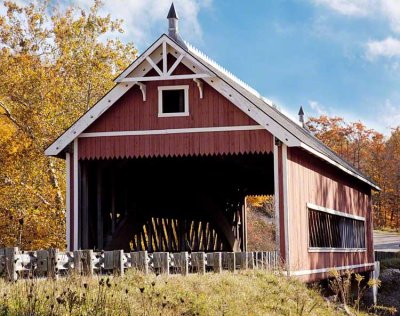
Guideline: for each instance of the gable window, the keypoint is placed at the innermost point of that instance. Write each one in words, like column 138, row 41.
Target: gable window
column 331, row 230
column 173, row 101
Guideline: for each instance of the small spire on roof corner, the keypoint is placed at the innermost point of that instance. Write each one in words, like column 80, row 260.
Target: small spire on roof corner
column 301, row 116
column 172, row 13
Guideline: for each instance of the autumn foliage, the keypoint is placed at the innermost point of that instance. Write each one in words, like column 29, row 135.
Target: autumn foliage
column 54, row 65
column 372, row 153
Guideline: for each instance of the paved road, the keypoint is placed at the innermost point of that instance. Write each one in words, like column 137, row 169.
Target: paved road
column 386, row 241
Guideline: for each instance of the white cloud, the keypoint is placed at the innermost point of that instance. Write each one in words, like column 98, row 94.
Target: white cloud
column 390, row 115
column 389, row 47
column 391, row 9
column 317, row 108
column 347, row 7
column 145, row 20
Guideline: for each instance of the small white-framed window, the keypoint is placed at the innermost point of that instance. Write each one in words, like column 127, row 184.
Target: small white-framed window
column 173, row 101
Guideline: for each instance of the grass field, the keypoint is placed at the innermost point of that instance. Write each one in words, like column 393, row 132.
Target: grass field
column 248, row 293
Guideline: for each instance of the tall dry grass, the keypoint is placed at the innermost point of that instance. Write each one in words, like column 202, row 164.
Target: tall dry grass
column 248, row 293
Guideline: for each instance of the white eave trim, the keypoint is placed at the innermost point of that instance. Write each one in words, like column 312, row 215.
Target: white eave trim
column 334, row 212
column 338, row 165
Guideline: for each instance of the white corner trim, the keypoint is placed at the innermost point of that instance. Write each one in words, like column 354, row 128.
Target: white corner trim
column 286, row 207
column 329, row 250
column 324, row 270
column 334, row 212
column 76, row 195
column 68, row 199
column 185, row 89
column 174, row 131
column 276, row 195
column 338, row 165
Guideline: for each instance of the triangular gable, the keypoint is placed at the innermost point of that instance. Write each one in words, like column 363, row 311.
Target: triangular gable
column 135, row 74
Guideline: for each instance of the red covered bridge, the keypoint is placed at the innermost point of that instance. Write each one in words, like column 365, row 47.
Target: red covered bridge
column 164, row 161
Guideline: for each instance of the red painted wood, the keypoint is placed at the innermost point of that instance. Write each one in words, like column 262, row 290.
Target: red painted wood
column 131, row 113
column 311, row 180
column 174, row 145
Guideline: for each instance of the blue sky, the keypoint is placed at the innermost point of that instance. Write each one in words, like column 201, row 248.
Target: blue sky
column 334, row 57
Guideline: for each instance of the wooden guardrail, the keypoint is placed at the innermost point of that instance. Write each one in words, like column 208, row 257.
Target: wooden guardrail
column 51, row 263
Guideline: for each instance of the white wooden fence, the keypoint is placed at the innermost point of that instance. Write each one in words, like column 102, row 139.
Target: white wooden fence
column 52, row 263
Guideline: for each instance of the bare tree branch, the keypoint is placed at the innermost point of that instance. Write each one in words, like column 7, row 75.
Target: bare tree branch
column 8, row 114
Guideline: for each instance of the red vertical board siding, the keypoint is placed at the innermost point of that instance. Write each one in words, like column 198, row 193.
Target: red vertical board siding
column 131, row 113
column 189, row 144
column 311, row 180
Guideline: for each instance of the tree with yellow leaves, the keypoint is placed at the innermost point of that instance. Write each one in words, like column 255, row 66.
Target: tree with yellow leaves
column 54, row 65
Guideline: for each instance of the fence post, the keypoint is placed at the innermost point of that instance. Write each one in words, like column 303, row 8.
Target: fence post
column 241, row 260
column 118, row 262
column 181, row 261
column 215, row 261
column 160, row 260
column 199, row 261
column 139, row 261
column 250, row 260
column 78, row 262
column 42, row 258
column 11, row 268
column 52, row 271
column 87, row 263
column 228, row 261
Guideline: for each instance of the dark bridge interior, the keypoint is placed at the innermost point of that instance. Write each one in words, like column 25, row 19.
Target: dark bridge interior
column 170, row 204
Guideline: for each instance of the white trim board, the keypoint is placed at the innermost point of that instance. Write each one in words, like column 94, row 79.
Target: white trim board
column 173, row 131
column 324, row 270
column 329, row 250
column 68, row 199
column 276, row 196
column 285, row 207
column 334, row 212
column 76, row 196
